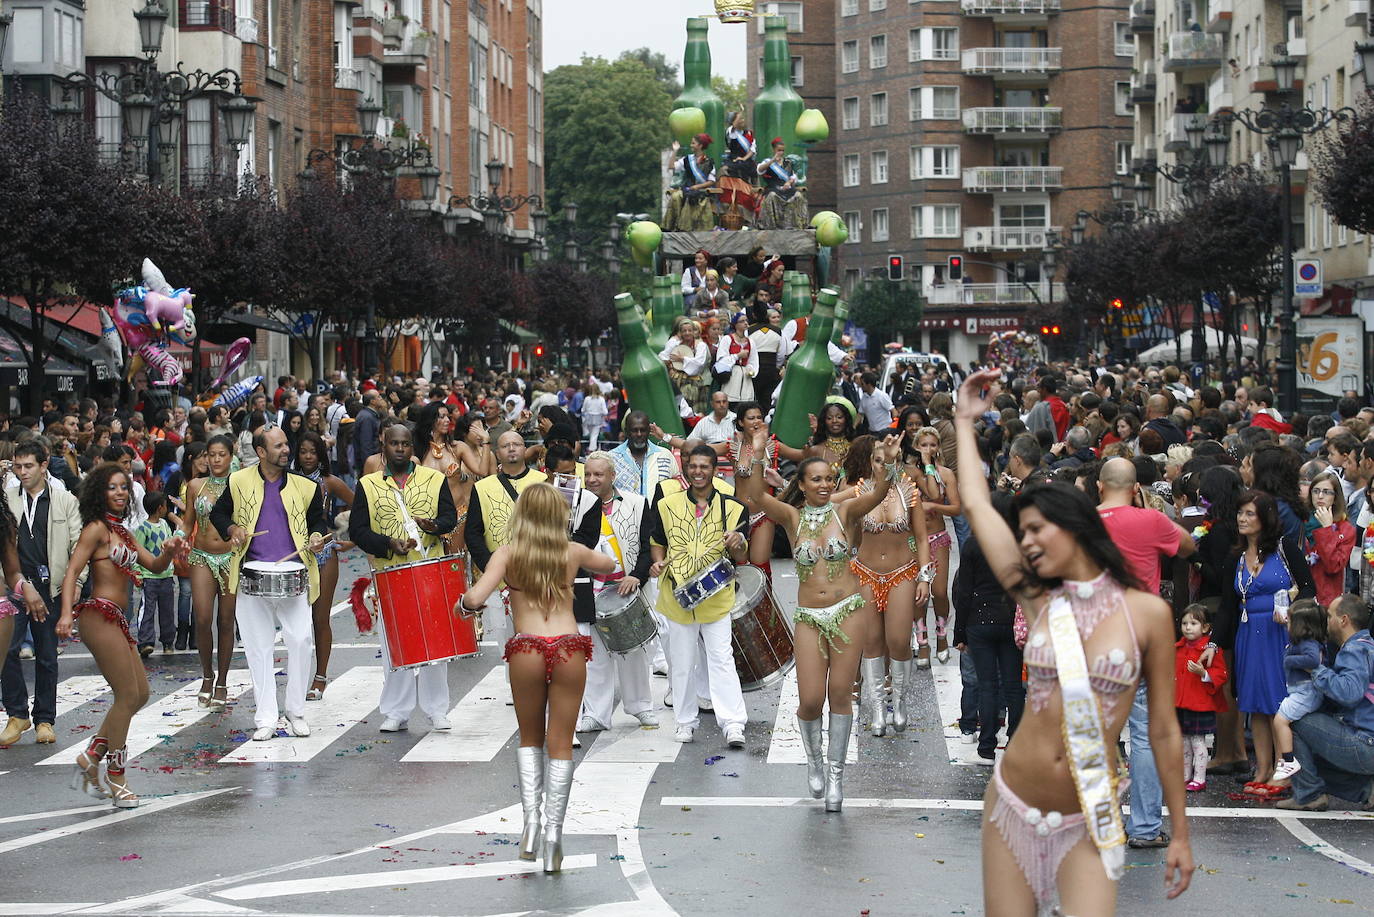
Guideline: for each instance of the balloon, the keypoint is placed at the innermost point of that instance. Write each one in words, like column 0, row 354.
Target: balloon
column 234, row 357
column 644, row 236
column 153, row 279
column 832, row 233
column 812, row 126
column 167, row 366
column 238, row 393
column 167, row 312
column 822, row 217
column 686, row 123
column 110, row 343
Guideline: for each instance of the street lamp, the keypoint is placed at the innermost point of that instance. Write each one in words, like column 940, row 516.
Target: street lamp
column 369, row 113
column 495, row 207
column 1285, row 70
column 152, row 19
column 1141, row 191
column 1284, row 129
column 380, row 159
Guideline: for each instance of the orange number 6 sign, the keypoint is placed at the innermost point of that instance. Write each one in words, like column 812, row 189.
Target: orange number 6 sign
column 1323, row 362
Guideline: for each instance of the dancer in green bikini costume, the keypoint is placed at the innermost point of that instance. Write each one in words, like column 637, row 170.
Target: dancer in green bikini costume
column 209, row 561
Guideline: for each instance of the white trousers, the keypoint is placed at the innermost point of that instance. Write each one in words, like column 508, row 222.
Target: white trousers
column 402, row 688
column 257, row 618
column 726, row 696
column 606, row 672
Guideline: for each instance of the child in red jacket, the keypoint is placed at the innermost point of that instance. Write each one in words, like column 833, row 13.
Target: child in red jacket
column 1197, row 690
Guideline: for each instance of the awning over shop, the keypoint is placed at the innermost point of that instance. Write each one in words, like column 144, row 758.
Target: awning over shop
column 522, row 335
column 14, row 368
column 254, row 321
column 61, row 324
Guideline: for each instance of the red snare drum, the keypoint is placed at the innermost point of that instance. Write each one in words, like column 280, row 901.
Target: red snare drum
column 417, row 602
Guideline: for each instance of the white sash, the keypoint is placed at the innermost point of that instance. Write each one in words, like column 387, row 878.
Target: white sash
column 1085, row 740
column 696, row 170
column 779, row 171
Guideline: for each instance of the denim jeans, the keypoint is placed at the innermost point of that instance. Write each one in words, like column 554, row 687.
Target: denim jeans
column 15, row 690
column 159, row 611
column 1335, row 758
column 997, row 661
column 1147, row 796
column 183, row 600
column 961, row 530
column 968, row 700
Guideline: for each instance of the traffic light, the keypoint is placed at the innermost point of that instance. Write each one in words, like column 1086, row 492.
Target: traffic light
column 894, row 267
column 1054, row 329
column 956, row 267
column 1118, row 304
column 1050, row 329
column 539, row 351
column 1044, row 329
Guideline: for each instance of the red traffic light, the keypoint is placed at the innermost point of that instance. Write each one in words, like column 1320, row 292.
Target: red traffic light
column 1054, row 329
column 539, row 350
column 894, row 267
column 956, row 267
column 1044, row 329
column 1117, row 304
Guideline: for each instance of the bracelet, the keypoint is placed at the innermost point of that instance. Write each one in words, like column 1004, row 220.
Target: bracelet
column 928, row 573
column 743, row 471
column 463, row 604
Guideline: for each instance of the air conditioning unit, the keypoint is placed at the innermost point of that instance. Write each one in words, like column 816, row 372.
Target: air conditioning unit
column 1036, row 239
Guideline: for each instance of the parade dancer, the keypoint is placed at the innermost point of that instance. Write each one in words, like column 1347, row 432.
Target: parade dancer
column 113, row 555
column 272, row 516
column 940, row 493
column 400, row 515
column 547, row 658
column 831, row 614
column 458, row 450
column 626, row 523
column 312, row 460
column 894, row 569
column 1081, row 603
column 209, row 560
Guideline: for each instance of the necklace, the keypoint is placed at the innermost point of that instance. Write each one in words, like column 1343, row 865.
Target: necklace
column 1243, row 586
column 838, row 445
column 813, row 520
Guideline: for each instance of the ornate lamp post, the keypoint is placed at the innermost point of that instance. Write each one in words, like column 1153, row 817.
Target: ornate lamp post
column 495, row 207
column 381, row 159
column 151, row 100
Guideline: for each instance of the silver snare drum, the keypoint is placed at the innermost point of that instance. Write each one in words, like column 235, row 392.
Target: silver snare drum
column 273, row 581
column 624, row 621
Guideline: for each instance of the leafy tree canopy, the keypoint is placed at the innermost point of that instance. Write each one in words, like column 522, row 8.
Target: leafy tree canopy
column 886, row 309
column 1344, row 174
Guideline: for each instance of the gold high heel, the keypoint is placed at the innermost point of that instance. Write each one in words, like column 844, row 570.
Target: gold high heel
column 124, row 798
column 203, row 696
column 87, row 776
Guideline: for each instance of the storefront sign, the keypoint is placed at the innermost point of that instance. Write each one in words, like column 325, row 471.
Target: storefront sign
column 991, row 324
column 1330, row 360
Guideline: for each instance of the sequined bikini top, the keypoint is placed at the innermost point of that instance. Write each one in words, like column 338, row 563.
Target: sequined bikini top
column 835, row 551
column 900, row 493
column 209, row 494
column 1111, row 674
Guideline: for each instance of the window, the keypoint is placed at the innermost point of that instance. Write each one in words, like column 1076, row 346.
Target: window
column 1342, row 236
column 850, row 114
column 875, row 5
column 932, row 44
column 1125, row 41
column 198, row 140
column 1123, row 157
column 109, row 125
column 880, row 225
column 851, row 222
column 68, row 40
column 1326, row 228
column 878, row 168
column 273, row 151
column 877, row 52
column 849, row 7
column 1123, row 98
column 849, row 57
column 935, row 221
column 792, row 12
column 798, row 72
column 934, row 103
column 852, row 276
column 934, row 162
column 877, row 109
column 851, row 170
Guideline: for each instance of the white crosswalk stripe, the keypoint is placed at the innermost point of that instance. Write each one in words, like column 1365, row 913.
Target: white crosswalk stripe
column 163, row 718
column 627, row 741
column 78, row 691
column 350, row 698
column 482, row 724
column 785, row 746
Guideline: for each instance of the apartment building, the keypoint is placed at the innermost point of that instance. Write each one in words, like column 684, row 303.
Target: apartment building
column 1196, row 58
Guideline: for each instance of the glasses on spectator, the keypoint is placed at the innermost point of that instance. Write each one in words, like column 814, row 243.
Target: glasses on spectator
column 1323, row 492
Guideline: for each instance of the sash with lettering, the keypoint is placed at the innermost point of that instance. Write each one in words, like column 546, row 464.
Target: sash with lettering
column 1085, row 740
column 782, row 177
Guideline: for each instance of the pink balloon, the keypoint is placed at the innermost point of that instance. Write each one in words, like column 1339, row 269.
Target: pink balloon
column 234, row 357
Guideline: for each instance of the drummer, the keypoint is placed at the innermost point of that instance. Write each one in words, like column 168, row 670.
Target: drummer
column 626, row 522
column 693, row 530
column 392, row 538
column 272, row 516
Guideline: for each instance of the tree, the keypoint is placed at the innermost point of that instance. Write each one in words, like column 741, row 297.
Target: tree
column 1344, row 173
column 732, row 92
column 607, row 129
column 886, row 309
column 569, row 306
column 657, row 63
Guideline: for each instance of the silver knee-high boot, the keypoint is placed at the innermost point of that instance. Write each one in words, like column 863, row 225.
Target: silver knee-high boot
column 557, row 787
column 840, row 725
column 812, row 742
column 901, row 676
column 530, row 764
column 873, row 674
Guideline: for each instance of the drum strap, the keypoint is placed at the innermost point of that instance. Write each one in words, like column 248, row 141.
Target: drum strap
column 510, row 488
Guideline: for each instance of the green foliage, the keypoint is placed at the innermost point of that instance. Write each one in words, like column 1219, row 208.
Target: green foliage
column 886, row 309
column 732, row 92
column 666, row 73
column 607, row 127
column 1344, row 173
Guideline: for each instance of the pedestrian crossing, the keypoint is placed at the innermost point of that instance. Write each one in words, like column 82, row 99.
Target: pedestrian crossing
column 785, row 746
column 347, row 702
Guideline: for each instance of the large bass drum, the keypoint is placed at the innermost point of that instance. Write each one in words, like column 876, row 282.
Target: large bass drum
column 418, row 620
column 759, row 631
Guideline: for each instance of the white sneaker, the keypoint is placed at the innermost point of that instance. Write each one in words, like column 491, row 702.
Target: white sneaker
column 440, row 723
column 587, row 724
column 661, row 669
column 1286, row 770
column 392, row 724
column 668, row 700
column 297, row 726
column 684, row 734
column 577, row 743
column 263, row 733
column 647, row 718
column 968, row 738
column 734, row 736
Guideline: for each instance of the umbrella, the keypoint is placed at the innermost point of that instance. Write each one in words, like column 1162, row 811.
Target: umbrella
column 1167, row 352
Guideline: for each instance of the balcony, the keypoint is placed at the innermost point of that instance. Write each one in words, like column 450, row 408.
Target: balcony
column 1013, row 120
column 348, row 78
column 1356, row 12
column 413, row 50
column 1009, row 7
column 247, row 29
column 1007, row 238
column 1143, row 15
column 1143, row 86
column 1012, row 60
column 1176, row 130
column 1014, row 178
column 208, row 14
column 1219, row 16
column 1219, row 94
column 987, row 294
column 1193, row 51
column 1143, row 157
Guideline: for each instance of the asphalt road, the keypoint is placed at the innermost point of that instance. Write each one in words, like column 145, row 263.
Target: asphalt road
column 353, row 822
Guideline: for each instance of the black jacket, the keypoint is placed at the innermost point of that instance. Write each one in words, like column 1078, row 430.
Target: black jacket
column 977, row 596
column 361, row 533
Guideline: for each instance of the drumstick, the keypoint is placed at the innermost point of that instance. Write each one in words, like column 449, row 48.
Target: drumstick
column 300, row 552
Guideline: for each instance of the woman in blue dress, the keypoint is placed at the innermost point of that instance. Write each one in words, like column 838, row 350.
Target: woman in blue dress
column 1268, row 563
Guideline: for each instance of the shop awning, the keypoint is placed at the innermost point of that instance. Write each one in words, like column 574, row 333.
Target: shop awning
column 14, row 368
column 254, row 321
column 84, row 318
column 522, row 335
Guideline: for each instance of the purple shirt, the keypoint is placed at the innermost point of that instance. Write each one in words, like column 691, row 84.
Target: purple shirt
column 275, row 544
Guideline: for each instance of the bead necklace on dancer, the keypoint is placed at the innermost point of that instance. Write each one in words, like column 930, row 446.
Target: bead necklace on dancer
column 459, row 450
column 831, row 619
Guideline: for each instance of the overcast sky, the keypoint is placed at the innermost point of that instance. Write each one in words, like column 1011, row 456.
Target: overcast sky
column 603, row 28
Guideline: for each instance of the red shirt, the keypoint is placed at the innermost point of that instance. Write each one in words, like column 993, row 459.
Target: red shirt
column 1190, row 691
column 1060, row 412
column 1142, row 535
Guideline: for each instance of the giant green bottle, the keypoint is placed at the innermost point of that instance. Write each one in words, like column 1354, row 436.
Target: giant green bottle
column 796, row 296
column 641, row 372
column 696, row 87
column 777, row 107
column 808, row 376
column 841, row 319
column 666, row 306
